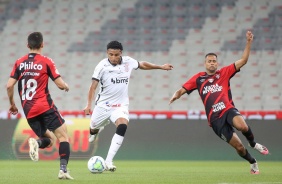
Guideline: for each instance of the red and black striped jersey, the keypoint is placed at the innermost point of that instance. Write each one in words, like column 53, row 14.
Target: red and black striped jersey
column 214, row 90
column 32, row 72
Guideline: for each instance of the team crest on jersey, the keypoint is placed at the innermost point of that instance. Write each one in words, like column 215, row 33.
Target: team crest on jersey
column 217, row 76
column 210, row 80
column 202, row 80
column 126, row 67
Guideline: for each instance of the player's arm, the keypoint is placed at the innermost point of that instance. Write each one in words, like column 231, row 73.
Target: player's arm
column 241, row 62
column 177, row 95
column 90, row 97
column 10, row 91
column 144, row 65
column 61, row 84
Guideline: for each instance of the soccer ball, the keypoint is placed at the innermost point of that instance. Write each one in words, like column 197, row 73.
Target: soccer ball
column 96, row 164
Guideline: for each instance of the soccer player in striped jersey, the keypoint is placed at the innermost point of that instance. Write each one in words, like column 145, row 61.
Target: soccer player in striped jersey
column 111, row 104
column 214, row 88
column 32, row 72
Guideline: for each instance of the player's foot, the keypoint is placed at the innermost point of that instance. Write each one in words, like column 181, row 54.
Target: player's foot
column 254, row 168
column 261, row 148
column 92, row 138
column 64, row 175
column 33, row 149
column 110, row 167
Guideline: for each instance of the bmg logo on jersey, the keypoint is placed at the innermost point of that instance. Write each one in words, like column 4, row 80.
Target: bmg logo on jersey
column 118, row 81
column 30, row 65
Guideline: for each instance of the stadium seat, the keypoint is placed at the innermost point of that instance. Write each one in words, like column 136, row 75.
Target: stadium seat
column 180, row 32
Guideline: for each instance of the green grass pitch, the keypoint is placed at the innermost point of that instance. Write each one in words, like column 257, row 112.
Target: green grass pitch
column 135, row 172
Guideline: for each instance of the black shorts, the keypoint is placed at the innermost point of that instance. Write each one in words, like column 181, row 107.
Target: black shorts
column 50, row 120
column 223, row 126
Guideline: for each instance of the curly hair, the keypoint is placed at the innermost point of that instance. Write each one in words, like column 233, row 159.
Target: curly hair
column 114, row 45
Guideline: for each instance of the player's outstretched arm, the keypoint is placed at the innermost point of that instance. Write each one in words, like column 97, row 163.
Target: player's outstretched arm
column 241, row 62
column 177, row 95
column 144, row 65
column 90, row 97
column 10, row 91
column 61, row 84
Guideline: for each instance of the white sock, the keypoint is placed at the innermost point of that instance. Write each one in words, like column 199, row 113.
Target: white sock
column 115, row 145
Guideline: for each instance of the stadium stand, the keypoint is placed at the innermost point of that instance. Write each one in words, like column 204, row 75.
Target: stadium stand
column 177, row 31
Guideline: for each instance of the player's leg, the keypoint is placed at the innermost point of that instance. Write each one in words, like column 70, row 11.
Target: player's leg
column 99, row 120
column 93, row 133
column 243, row 152
column 64, row 151
column 47, row 140
column 240, row 124
column 223, row 128
column 120, row 117
column 226, row 132
column 116, row 142
column 55, row 123
column 40, row 130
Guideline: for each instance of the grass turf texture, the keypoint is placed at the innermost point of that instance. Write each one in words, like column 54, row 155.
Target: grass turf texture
column 200, row 172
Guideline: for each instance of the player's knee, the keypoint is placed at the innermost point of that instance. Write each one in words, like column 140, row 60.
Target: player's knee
column 240, row 149
column 121, row 129
column 244, row 128
column 62, row 137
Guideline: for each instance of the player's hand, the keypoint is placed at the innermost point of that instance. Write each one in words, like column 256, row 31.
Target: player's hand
column 249, row 36
column 167, row 67
column 66, row 87
column 13, row 109
column 173, row 98
column 87, row 110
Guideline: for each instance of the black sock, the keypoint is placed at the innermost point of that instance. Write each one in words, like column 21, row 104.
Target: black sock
column 93, row 132
column 250, row 137
column 43, row 142
column 121, row 129
column 64, row 152
column 249, row 157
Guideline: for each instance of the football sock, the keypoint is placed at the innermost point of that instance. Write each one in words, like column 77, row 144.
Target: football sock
column 93, row 131
column 121, row 129
column 43, row 142
column 248, row 157
column 64, row 152
column 116, row 142
column 250, row 137
column 115, row 145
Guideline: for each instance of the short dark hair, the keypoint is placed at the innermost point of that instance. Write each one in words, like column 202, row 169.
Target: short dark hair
column 35, row 40
column 114, row 45
column 211, row 54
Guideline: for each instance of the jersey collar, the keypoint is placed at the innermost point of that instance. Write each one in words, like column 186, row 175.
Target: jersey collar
column 113, row 64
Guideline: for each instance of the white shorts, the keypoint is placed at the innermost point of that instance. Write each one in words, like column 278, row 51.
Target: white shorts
column 101, row 116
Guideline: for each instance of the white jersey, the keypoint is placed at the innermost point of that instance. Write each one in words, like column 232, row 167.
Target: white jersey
column 114, row 81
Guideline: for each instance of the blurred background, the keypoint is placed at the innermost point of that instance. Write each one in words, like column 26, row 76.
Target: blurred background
column 180, row 32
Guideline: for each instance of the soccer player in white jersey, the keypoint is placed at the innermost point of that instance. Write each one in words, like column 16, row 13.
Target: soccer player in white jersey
column 111, row 104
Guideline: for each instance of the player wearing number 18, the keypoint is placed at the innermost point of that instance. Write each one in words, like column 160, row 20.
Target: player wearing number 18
column 32, row 72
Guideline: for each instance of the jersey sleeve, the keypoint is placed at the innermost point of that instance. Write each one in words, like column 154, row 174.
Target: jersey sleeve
column 97, row 74
column 191, row 84
column 15, row 72
column 134, row 63
column 229, row 70
column 52, row 70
